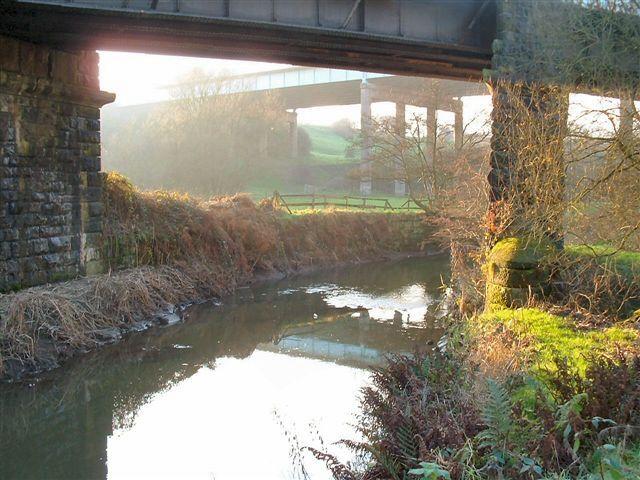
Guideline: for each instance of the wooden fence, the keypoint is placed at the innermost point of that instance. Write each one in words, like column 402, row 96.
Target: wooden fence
column 313, row 201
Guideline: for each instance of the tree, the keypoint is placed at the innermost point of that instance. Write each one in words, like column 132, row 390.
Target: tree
column 206, row 141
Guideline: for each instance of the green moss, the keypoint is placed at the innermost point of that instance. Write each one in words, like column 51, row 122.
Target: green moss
column 498, row 296
column 548, row 335
column 519, row 252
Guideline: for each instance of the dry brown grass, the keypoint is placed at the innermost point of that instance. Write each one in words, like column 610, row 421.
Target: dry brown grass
column 163, row 249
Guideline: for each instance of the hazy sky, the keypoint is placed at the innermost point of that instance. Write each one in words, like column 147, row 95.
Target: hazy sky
column 141, row 78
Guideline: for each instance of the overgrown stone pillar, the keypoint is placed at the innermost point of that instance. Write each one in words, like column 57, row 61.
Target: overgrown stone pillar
column 527, row 176
column 526, row 183
column 50, row 183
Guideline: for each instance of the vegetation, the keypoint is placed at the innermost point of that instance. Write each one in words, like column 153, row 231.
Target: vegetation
column 198, row 142
column 550, row 390
column 183, row 249
column 327, row 146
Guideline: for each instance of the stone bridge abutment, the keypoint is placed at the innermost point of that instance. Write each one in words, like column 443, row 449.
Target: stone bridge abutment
column 50, row 181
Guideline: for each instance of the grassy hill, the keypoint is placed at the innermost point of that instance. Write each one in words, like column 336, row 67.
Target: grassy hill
column 327, row 147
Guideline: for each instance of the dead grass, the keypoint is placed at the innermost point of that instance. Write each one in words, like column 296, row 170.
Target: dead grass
column 163, row 249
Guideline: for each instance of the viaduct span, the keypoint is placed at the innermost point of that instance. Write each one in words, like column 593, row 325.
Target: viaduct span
column 305, row 87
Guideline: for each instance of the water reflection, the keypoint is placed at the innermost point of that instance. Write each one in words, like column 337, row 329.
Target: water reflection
column 222, row 395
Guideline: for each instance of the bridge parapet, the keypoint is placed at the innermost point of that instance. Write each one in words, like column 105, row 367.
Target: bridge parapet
column 50, row 185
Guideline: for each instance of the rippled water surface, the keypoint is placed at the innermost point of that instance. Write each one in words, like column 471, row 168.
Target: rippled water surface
column 234, row 391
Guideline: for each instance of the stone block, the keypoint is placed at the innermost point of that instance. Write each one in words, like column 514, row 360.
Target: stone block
column 498, row 296
column 38, row 246
column 64, row 67
column 60, row 244
column 518, row 253
column 52, row 259
column 96, row 209
column 518, row 278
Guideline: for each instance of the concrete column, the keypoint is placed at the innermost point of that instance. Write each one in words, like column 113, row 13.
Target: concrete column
column 365, row 130
column 401, row 124
column 458, row 127
column 293, row 134
column 51, row 216
column 399, row 186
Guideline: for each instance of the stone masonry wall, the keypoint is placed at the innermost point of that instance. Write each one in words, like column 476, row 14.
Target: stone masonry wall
column 50, row 183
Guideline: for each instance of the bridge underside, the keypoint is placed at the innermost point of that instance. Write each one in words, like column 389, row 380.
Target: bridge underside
column 420, row 92
column 438, row 39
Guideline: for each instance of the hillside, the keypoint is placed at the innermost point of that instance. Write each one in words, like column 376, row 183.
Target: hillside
column 327, row 147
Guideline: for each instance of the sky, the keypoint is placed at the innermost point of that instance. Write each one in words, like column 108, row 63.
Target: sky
column 138, row 78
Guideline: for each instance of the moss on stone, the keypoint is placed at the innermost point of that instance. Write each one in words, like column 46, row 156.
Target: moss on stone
column 516, row 278
column 520, row 253
column 498, row 296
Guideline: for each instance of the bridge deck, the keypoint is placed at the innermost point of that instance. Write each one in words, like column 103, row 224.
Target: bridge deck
column 445, row 38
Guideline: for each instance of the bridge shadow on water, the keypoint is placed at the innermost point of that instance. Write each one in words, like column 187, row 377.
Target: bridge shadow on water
column 272, row 347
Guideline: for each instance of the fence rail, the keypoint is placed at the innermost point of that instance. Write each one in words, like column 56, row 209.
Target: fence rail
column 313, row 201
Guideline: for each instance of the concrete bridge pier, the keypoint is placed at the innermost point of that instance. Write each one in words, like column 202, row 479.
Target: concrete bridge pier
column 399, row 186
column 627, row 113
column 50, row 182
column 366, row 181
column 458, row 125
column 431, row 133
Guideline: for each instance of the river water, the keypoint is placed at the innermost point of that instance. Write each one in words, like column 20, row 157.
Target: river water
column 234, row 391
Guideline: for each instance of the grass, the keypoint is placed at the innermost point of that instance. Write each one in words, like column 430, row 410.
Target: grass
column 625, row 261
column 545, row 335
column 327, row 147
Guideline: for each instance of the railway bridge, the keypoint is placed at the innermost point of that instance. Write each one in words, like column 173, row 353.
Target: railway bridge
column 50, row 183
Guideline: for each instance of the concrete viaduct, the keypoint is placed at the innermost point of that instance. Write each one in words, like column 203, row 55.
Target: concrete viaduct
column 50, row 101
column 305, row 87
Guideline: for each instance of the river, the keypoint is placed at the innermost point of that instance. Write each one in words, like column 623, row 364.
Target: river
column 232, row 392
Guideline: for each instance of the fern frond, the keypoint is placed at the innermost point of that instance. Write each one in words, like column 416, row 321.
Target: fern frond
column 497, row 417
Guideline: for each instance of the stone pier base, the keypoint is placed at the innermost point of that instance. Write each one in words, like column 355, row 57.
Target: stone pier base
column 50, row 183
column 517, row 271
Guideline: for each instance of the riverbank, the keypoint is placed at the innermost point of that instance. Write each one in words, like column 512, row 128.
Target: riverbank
column 164, row 250
column 536, row 392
